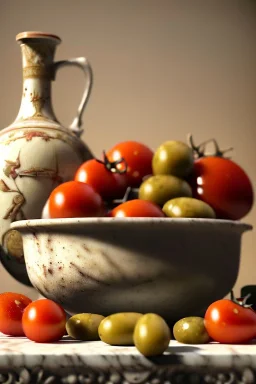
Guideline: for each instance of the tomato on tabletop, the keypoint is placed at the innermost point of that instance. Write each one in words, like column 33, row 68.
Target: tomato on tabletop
column 230, row 321
column 12, row 306
column 137, row 208
column 222, row 184
column 75, row 199
column 104, row 177
column 44, row 321
column 138, row 158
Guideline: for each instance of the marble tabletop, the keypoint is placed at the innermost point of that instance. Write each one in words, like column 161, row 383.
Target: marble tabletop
column 72, row 362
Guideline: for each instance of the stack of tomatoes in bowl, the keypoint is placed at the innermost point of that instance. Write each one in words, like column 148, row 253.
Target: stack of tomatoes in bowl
column 177, row 180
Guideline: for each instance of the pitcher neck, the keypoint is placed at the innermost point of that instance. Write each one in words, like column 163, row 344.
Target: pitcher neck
column 38, row 72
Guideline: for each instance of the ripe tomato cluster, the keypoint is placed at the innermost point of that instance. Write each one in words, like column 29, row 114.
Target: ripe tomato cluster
column 98, row 182
column 177, row 180
column 41, row 320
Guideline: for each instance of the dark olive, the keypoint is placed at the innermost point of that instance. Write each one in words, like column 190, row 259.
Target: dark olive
column 84, row 326
column 173, row 158
column 161, row 188
column 117, row 329
column 151, row 335
column 188, row 207
column 191, row 330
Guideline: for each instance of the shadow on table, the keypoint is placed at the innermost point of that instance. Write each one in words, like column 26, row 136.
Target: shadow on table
column 172, row 353
column 67, row 340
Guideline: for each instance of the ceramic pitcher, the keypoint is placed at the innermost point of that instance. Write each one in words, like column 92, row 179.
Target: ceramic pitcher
column 36, row 152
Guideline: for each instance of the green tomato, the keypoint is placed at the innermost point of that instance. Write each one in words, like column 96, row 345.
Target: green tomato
column 161, row 188
column 173, row 158
column 188, row 207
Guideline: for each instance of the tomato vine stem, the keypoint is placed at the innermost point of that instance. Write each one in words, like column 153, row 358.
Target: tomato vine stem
column 200, row 150
column 243, row 302
column 112, row 165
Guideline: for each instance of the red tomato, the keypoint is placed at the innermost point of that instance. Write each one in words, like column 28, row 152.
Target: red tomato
column 108, row 184
column 44, row 321
column 137, row 208
column 75, row 199
column 138, row 158
column 223, row 185
column 12, row 306
column 230, row 323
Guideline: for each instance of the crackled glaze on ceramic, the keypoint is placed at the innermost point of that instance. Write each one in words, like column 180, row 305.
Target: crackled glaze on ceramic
column 107, row 265
column 73, row 362
column 36, row 152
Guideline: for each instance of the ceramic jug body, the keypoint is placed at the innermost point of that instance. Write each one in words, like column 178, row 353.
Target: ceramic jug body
column 36, row 152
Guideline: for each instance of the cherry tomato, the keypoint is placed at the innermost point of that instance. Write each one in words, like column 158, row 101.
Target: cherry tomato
column 137, row 208
column 44, row 321
column 108, row 184
column 223, row 185
column 138, row 158
column 75, row 199
column 230, row 323
column 12, row 306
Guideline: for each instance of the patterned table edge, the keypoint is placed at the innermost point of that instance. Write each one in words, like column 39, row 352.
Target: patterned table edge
column 167, row 375
column 20, row 364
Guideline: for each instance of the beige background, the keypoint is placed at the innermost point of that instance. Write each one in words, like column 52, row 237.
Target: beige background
column 162, row 68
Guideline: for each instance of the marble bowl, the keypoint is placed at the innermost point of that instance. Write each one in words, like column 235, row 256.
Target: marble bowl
column 173, row 267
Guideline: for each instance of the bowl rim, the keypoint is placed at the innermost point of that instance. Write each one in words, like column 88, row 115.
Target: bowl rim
column 84, row 221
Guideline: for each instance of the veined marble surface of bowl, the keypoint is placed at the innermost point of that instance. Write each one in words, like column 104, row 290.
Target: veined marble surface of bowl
column 173, row 267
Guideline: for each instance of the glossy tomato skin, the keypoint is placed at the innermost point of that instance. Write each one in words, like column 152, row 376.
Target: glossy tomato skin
column 12, row 306
column 44, row 321
column 223, row 185
column 138, row 158
column 230, row 323
column 137, row 208
column 108, row 184
column 75, row 199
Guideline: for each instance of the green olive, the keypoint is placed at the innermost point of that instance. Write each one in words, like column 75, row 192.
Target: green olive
column 173, row 158
column 191, row 330
column 117, row 329
column 161, row 188
column 151, row 335
column 84, row 326
column 188, row 207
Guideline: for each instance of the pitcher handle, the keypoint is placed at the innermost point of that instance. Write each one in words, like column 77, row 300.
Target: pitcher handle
column 80, row 62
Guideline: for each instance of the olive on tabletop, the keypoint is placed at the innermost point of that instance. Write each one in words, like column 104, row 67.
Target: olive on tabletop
column 151, row 335
column 191, row 330
column 117, row 329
